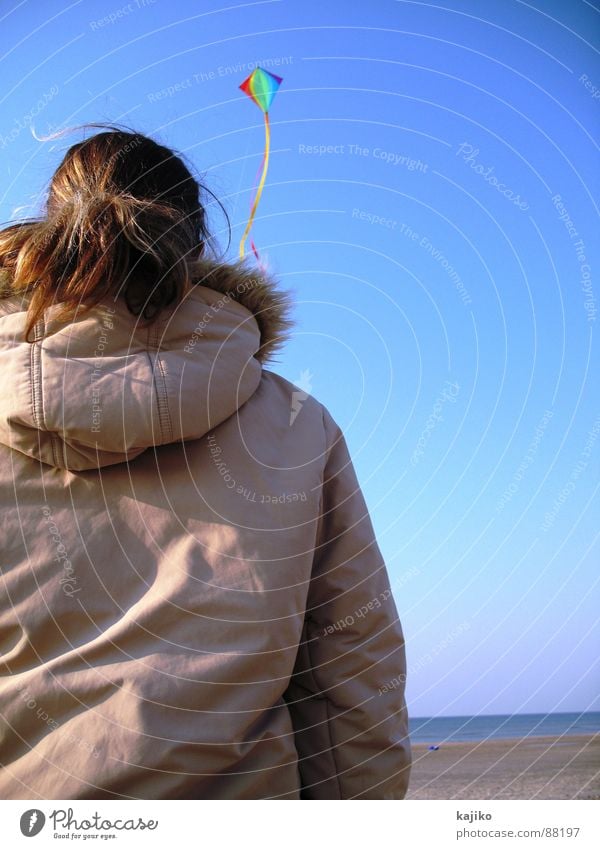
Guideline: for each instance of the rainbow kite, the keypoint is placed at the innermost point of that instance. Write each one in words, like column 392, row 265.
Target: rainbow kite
column 262, row 87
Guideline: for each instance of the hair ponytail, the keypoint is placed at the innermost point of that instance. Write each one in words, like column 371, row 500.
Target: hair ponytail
column 101, row 239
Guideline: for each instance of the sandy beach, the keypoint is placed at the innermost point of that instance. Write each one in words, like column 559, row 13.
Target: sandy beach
column 565, row 767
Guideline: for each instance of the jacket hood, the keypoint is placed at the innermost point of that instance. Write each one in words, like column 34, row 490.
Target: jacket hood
column 102, row 389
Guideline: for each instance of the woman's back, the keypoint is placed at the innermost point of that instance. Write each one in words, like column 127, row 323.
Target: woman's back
column 193, row 603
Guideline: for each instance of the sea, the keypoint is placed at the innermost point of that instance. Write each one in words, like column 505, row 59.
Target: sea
column 454, row 729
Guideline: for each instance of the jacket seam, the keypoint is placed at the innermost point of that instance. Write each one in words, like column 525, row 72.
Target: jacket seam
column 37, row 391
column 330, row 735
column 319, row 528
column 327, row 700
column 160, row 385
column 329, row 718
column 308, row 641
column 32, row 383
column 163, row 407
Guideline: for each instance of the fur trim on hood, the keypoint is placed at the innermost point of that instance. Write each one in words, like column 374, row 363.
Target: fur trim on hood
column 103, row 388
column 259, row 292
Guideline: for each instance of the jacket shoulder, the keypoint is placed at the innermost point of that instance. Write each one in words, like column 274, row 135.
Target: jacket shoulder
column 303, row 406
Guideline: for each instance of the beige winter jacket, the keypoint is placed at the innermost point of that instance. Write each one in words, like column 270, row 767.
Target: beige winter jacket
column 192, row 601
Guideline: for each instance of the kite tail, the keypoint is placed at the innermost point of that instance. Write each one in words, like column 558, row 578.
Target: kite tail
column 256, row 200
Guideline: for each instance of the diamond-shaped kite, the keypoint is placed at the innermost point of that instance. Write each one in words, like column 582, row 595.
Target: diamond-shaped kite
column 262, row 87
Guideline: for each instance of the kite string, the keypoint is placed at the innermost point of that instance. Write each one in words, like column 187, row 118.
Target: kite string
column 258, row 193
column 256, row 180
column 252, row 245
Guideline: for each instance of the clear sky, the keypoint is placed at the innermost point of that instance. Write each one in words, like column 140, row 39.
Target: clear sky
column 432, row 201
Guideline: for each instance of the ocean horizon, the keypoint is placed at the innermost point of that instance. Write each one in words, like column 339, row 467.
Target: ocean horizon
column 455, row 729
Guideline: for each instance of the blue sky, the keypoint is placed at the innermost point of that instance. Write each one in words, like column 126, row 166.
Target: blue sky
column 432, row 201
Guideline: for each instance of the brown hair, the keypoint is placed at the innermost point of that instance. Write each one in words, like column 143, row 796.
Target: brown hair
column 124, row 218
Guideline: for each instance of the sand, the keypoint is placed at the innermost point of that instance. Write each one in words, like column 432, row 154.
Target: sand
column 565, row 767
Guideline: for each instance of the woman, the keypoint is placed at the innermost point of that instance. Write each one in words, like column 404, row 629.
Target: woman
column 194, row 605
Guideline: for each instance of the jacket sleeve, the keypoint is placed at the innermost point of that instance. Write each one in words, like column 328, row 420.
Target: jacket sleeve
column 346, row 695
